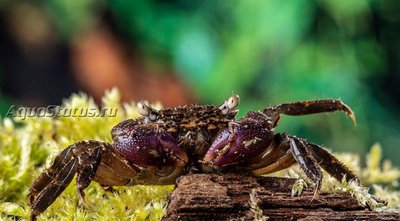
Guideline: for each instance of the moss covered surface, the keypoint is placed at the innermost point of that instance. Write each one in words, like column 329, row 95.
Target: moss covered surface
column 28, row 145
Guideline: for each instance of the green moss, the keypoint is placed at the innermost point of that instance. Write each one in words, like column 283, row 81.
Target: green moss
column 26, row 144
column 25, row 151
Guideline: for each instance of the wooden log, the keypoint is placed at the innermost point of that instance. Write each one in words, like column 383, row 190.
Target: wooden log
column 227, row 197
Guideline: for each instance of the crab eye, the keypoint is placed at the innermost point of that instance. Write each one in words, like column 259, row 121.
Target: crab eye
column 233, row 102
column 143, row 109
column 230, row 104
column 146, row 111
column 152, row 116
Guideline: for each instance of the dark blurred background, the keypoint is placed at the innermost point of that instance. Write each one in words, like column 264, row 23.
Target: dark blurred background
column 180, row 52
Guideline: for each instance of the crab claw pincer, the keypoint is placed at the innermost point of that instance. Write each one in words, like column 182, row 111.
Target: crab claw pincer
column 145, row 146
column 239, row 143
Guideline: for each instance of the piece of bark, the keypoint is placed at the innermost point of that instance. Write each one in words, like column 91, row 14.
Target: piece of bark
column 227, row 197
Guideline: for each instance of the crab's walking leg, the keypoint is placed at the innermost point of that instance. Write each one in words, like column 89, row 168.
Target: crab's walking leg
column 306, row 162
column 46, row 177
column 51, row 187
column 276, row 158
column 288, row 149
column 308, row 107
column 83, row 157
column 89, row 161
column 330, row 164
column 294, row 150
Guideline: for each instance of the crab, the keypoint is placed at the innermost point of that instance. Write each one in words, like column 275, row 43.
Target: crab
column 165, row 144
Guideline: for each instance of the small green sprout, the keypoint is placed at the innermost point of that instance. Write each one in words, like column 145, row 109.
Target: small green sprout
column 298, row 187
column 255, row 206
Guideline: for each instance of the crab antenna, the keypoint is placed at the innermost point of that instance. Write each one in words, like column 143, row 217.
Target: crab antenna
column 230, row 104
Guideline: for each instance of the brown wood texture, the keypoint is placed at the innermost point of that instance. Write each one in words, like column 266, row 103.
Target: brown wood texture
column 227, row 197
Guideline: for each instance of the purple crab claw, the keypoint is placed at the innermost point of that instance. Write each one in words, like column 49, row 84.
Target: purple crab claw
column 145, row 146
column 240, row 142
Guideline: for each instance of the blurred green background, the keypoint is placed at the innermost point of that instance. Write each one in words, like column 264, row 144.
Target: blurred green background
column 180, row 52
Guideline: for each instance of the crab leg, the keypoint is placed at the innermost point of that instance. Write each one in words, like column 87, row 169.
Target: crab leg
column 87, row 167
column 277, row 157
column 307, row 155
column 306, row 162
column 292, row 150
column 53, row 189
column 281, row 163
column 46, row 177
column 82, row 158
column 113, row 170
column 93, row 161
column 330, row 164
column 308, row 107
